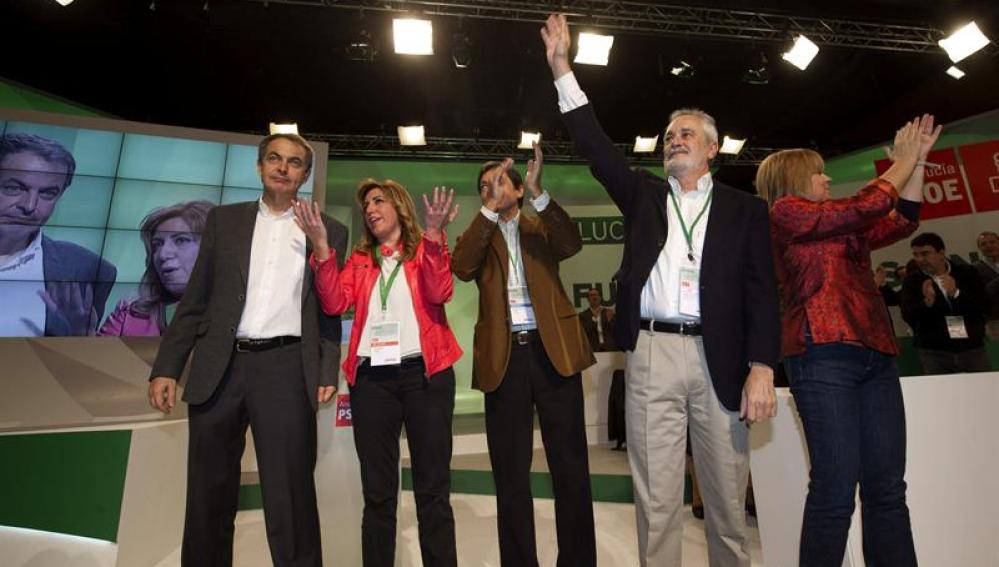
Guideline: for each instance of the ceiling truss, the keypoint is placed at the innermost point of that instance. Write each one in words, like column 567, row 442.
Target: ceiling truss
column 672, row 20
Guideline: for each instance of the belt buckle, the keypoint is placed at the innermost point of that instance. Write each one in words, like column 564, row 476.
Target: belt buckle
column 239, row 347
column 523, row 337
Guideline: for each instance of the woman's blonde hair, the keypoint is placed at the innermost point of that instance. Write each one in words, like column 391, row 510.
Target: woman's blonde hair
column 787, row 172
column 411, row 233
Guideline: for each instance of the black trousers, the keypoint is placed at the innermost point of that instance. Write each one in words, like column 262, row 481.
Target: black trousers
column 265, row 390
column 532, row 382
column 382, row 399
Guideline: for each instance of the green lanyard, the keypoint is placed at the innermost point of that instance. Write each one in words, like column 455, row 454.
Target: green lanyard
column 383, row 287
column 688, row 234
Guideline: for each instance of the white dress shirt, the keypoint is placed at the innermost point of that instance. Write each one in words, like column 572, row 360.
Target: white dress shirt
column 274, row 286
column 661, row 295
column 22, row 280
column 511, row 235
column 399, row 307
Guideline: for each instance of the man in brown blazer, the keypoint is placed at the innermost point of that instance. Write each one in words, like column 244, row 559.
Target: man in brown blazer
column 529, row 351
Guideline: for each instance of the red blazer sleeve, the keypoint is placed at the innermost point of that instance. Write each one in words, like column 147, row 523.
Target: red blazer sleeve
column 334, row 288
column 802, row 220
column 889, row 230
column 435, row 271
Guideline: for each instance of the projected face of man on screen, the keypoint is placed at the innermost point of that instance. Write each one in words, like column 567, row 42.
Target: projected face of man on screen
column 50, row 286
column 30, row 186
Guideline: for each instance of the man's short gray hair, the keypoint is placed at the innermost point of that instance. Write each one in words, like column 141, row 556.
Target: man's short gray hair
column 707, row 121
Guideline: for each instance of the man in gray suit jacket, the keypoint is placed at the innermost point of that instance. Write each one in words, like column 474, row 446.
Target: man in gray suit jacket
column 264, row 355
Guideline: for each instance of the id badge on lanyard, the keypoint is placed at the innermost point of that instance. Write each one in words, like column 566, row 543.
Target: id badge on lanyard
column 690, row 294
column 385, row 345
column 955, row 327
column 521, row 312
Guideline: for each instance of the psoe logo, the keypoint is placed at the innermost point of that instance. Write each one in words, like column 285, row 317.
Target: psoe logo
column 343, row 417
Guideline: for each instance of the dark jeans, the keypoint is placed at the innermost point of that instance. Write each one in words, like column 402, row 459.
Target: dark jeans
column 265, row 390
column 850, row 403
column 382, row 399
column 532, row 382
column 953, row 362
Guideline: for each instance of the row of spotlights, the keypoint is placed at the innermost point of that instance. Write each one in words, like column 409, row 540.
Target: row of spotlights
column 415, row 37
column 416, row 136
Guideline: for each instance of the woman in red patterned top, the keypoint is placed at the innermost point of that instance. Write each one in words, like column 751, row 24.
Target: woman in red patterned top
column 838, row 343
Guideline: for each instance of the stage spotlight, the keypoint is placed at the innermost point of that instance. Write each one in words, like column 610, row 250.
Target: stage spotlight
column 955, row 72
column 461, row 50
column 413, row 37
column 759, row 73
column 801, row 53
column 527, row 140
column 732, row 146
column 645, row 145
column 682, row 70
column 284, row 128
column 964, row 42
column 64, row 2
column 593, row 49
column 412, row 136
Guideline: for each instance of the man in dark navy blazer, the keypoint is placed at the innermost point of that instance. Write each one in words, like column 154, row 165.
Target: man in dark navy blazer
column 697, row 315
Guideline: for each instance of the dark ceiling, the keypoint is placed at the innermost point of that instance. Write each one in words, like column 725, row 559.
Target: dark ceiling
column 239, row 65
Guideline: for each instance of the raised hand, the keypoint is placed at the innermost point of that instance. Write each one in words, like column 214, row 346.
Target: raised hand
column 880, row 276
column 927, row 135
column 534, row 167
column 557, row 40
column 491, row 191
column 439, row 212
column 929, row 293
column 72, row 305
column 309, row 219
column 906, row 144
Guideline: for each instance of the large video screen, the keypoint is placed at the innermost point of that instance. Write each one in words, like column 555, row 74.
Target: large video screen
column 99, row 230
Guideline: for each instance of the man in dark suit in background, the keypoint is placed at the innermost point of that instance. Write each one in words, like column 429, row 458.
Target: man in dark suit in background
column 264, row 356
column 529, row 351
column 988, row 268
column 596, row 321
column 51, row 287
column 697, row 313
column 946, row 304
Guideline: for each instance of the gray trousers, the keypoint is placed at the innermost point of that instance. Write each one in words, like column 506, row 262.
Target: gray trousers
column 668, row 389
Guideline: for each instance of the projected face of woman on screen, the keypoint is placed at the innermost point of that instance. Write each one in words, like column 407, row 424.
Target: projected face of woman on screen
column 174, row 250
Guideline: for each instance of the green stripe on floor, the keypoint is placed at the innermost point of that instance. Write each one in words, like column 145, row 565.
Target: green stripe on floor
column 250, row 497
column 605, row 487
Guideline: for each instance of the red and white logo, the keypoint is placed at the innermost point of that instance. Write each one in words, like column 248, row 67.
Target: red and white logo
column 944, row 192
column 343, row 417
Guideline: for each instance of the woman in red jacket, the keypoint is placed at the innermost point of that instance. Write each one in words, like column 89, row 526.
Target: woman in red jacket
column 399, row 360
column 838, row 343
